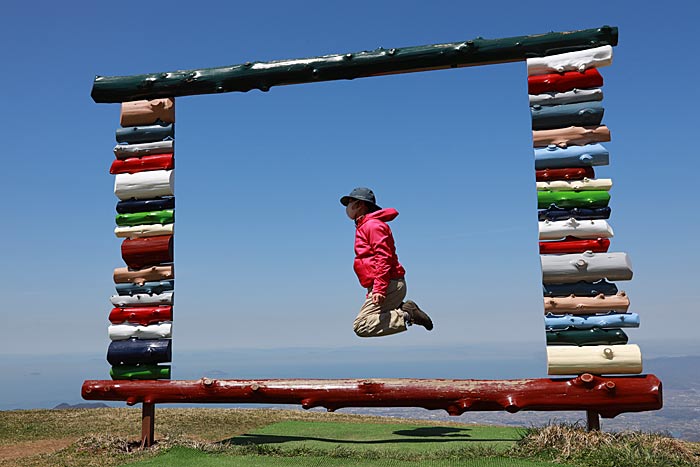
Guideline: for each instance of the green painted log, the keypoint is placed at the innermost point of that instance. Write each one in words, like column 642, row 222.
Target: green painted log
column 140, row 372
column 166, row 216
column 595, row 336
column 573, row 199
column 264, row 75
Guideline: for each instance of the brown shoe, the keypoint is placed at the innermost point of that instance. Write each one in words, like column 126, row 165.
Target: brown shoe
column 417, row 315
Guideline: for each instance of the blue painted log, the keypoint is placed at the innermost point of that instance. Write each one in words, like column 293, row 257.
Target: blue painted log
column 135, row 351
column 555, row 213
column 144, row 205
column 548, row 117
column 145, row 134
column 150, row 287
column 581, row 289
column 553, row 157
column 593, row 336
column 612, row 320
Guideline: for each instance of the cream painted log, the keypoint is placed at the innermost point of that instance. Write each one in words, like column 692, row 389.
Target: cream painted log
column 140, row 276
column 137, row 113
column 596, row 359
column 574, row 305
column 579, row 60
column 571, row 136
column 125, row 151
column 568, row 97
column 142, row 299
column 147, row 230
column 120, row 332
column 586, row 184
column 585, row 229
column 144, row 185
column 589, row 267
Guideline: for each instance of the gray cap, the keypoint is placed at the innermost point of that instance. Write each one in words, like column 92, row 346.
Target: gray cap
column 363, row 194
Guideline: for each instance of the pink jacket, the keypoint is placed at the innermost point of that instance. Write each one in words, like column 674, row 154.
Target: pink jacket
column 376, row 262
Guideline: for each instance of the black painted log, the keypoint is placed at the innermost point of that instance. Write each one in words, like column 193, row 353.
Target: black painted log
column 554, row 213
column 582, row 289
column 561, row 116
column 150, row 287
column 139, row 351
column 145, row 134
column 264, row 75
column 145, row 205
column 580, row 337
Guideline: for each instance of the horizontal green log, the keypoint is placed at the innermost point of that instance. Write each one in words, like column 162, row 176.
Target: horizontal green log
column 573, row 199
column 140, row 372
column 264, row 75
column 166, row 216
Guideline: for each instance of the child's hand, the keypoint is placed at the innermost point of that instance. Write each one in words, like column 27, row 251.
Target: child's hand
column 378, row 298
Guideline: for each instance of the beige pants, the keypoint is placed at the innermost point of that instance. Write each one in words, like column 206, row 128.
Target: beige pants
column 385, row 319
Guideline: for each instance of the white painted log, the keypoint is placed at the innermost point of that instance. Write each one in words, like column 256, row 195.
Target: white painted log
column 587, row 184
column 120, row 332
column 568, row 97
column 147, row 230
column 144, row 185
column 585, row 229
column 595, row 359
column 579, row 60
column 142, row 299
column 125, row 151
column 574, row 305
column 588, row 266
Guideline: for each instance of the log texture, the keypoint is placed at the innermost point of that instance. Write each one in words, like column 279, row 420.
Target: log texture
column 568, row 97
column 594, row 336
column 585, row 184
column 144, row 185
column 584, row 229
column 141, row 231
column 590, row 267
column 553, row 157
column 574, row 245
column 610, row 320
column 580, row 61
column 143, row 164
column 145, row 134
column 118, row 332
column 573, row 199
column 561, row 116
column 143, row 315
column 140, row 276
column 582, row 289
column 619, row 303
column 125, row 151
column 600, row 359
column 142, row 299
column 140, row 372
column 563, row 82
column 124, row 207
column 556, row 213
column 149, row 112
column 141, row 252
column 139, row 351
column 151, row 287
column 571, row 136
column 166, row 216
column 573, row 173
column 633, row 394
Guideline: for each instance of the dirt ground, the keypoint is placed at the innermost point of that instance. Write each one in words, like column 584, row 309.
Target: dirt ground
column 31, row 448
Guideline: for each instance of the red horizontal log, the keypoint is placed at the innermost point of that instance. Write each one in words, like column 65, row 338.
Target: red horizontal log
column 138, row 253
column 573, row 173
column 143, row 164
column 575, row 245
column 562, row 82
column 608, row 396
column 143, row 315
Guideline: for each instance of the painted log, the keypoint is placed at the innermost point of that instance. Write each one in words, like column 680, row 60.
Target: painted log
column 581, row 289
column 143, row 315
column 151, row 287
column 568, row 97
column 556, row 213
column 139, row 351
column 586, row 184
column 593, row 336
column 141, row 276
column 143, row 299
column 609, row 396
column 563, row 82
column 583, row 229
column 574, row 245
column 572, row 304
column 147, row 112
column 599, row 359
column 167, row 216
column 144, row 185
column 140, row 372
column 142, row 231
column 588, row 266
column 570, row 136
column 609, row 320
column 158, row 204
column 142, row 164
column 126, row 151
column 580, row 61
column 573, row 199
column 553, row 157
column 118, row 332
column 148, row 251
column 571, row 173
column 145, row 134
column 561, row 116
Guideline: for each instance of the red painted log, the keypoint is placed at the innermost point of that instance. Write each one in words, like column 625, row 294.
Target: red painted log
column 562, row 82
column 573, row 173
column 608, row 396
column 140, row 252
column 574, row 245
column 143, row 164
column 143, row 315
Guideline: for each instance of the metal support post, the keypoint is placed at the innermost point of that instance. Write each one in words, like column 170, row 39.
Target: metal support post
column 148, row 416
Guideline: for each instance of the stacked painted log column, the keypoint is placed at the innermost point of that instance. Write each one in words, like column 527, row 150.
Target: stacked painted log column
column 585, row 313
column 141, row 328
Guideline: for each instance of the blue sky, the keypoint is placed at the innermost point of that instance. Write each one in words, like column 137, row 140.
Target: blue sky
column 263, row 247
